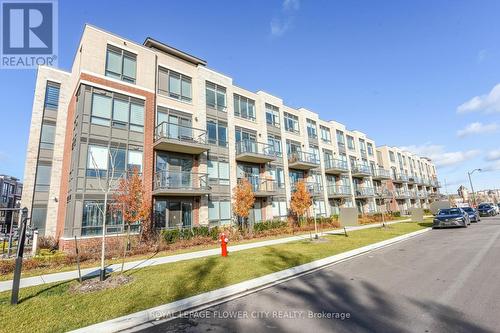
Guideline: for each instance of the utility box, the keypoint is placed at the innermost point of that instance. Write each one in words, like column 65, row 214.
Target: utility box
column 437, row 205
column 348, row 216
column 416, row 214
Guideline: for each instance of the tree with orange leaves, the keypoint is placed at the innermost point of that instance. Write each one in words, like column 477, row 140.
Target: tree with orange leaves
column 244, row 199
column 301, row 199
column 134, row 205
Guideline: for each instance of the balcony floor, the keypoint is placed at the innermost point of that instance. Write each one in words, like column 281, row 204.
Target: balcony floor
column 302, row 165
column 194, row 148
column 254, row 158
column 181, row 192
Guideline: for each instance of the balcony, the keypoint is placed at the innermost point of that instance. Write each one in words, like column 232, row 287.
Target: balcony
column 381, row 174
column 399, row 178
column 413, row 194
column 314, row 189
column 364, row 192
column 303, row 161
column 411, row 179
column 402, row 194
column 255, row 152
column 181, row 139
column 338, row 191
column 435, row 183
column 383, row 193
column 422, row 194
column 262, row 187
column 336, row 167
column 180, row 183
column 361, row 171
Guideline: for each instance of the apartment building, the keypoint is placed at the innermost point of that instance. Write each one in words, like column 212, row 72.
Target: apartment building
column 192, row 134
column 11, row 190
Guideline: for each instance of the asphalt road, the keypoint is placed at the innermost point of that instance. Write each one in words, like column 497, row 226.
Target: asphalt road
column 446, row 280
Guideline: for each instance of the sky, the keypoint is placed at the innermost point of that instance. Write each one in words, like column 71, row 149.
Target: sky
column 423, row 75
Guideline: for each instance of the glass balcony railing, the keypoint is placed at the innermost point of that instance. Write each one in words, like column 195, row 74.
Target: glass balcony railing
column 261, row 184
column 402, row 194
column 187, row 134
column 182, row 180
column 383, row 192
column 336, row 164
column 259, row 148
column 400, row 177
column 313, row 187
column 364, row 192
column 381, row 173
column 361, row 169
column 303, row 157
column 338, row 190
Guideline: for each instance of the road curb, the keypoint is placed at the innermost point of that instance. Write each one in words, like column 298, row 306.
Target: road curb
column 213, row 297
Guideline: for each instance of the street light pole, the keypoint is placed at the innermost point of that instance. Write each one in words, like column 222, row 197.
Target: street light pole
column 469, row 173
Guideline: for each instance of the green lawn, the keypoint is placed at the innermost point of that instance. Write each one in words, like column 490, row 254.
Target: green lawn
column 96, row 263
column 51, row 308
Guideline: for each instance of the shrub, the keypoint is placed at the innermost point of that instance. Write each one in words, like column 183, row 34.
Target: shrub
column 48, row 242
column 170, row 235
column 427, row 211
column 269, row 224
column 396, row 214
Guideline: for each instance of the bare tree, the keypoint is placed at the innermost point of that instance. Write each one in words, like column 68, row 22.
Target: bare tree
column 107, row 185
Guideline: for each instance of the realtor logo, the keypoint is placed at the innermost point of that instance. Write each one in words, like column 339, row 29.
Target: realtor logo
column 29, row 33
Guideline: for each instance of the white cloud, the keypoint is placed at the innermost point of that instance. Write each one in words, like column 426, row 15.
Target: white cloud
column 486, row 103
column 481, row 55
column 493, row 155
column 281, row 24
column 477, row 128
column 440, row 156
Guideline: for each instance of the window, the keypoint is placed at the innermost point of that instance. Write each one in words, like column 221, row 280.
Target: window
column 278, row 175
column 217, row 132
column 370, row 149
column 52, row 96
column 244, row 107
column 119, row 111
column 47, row 136
column 280, row 208
column 218, row 172
column 120, row 64
column 100, row 160
column 175, row 85
column 92, row 218
column 315, row 151
column 319, row 208
column 325, row 134
column 362, row 146
column 350, row 143
column 275, row 144
column 42, row 182
column 291, row 123
column 38, row 218
column 392, row 157
column 340, row 140
column 272, row 115
column 311, row 129
column 243, row 135
column 219, row 210
column 216, row 96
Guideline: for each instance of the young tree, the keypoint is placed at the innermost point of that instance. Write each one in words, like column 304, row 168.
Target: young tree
column 244, row 199
column 133, row 203
column 301, row 200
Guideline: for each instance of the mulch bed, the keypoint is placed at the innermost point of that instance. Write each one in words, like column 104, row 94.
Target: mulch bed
column 92, row 285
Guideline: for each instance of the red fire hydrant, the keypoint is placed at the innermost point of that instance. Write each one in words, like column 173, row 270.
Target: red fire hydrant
column 223, row 244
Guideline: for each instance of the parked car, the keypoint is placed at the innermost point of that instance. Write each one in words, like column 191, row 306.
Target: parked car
column 473, row 214
column 451, row 217
column 486, row 210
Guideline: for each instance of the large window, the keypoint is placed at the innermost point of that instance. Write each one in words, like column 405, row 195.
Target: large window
column 42, row 182
column 38, row 218
column 244, row 107
column 175, row 85
column 325, row 134
column 217, row 132
column 275, row 144
column 47, row 136
column 272, row 115
column 121, row 64
column 370, row 149
column 216, row 96
column 362, row 146
column 291, row 123
column 350, row 143
column 120, row 112
column 219, row 211
column 340, row 139
column 218, row 172
column 101, row 160
column 392, row 157
column 52, row 96
column 92, row 218
column 280, row 208
column 312, row 131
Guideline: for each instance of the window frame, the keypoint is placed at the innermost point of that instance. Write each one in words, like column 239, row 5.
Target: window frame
column 123, row 54
column 182, row 78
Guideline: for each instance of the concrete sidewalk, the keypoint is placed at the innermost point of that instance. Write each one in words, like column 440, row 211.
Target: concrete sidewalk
column 94, row 271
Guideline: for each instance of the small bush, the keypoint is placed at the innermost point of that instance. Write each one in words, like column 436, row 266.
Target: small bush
column 396, row 214
column 427, row 211
column 48, row 242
